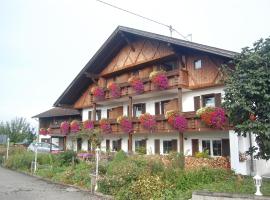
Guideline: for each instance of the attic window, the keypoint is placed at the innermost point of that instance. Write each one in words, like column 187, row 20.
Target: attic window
column 198, row 64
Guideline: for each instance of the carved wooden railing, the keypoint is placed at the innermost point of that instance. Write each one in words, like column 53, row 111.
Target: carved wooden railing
column 176, row 78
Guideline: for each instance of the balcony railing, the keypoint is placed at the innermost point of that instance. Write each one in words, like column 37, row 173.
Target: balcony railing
column 176, row 78
column 194, row 124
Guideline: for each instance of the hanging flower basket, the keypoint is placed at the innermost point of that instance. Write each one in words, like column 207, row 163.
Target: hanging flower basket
column 114, row 89
column 159, row 79
column 88, row 125
column 212, row 116
column 74, row 126
column 177, row 121
column 64, row 127
column 148, row 121
column 136, row 84
column 49, row 130
column 43, row 131
column 98, row 93
column 125, row 124
column 105, row 126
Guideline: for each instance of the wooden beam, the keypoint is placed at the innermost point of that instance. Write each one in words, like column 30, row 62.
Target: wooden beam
column 181, row 142
column 128, row 41
column 180, row 96
column 92, row 76
column 94, row 111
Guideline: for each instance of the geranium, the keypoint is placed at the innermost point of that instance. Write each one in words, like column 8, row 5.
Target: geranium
column 74, row 126
column 115, row 90
column 159, row 79
column 88, row 125
column 43, row 131
column 177, row 121
column 212, row 116
column 64, row 127
column 105, row 126
column 98, row 92
column 125, row 124
column 136, row 84
column 148, row 121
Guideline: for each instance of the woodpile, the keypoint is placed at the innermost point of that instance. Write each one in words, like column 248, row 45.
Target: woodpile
column 218, row 162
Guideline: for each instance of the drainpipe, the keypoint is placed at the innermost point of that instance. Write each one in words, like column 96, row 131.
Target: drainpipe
column 251, row 155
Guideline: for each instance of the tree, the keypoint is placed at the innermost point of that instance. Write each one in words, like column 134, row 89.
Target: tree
column 17, row 130
column 247, row 95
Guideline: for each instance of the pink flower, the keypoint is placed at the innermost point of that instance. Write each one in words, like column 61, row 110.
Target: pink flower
column 114, row 90
column 136, row 84
column 98, row 92
column 105, row 126
column 43, row 131
column 125, row 124
column 180, row 123
column 148, row 121
column 159, row 79
column 74, row 126
column 64, row 127
column 88, row 125
column 218, row 118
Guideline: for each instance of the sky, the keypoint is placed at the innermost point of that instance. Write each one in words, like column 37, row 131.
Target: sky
column 45, row 43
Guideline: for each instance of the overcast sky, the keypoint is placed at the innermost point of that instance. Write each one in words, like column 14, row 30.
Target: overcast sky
column 45, row 43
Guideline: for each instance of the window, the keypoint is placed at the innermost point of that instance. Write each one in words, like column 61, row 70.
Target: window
column 206, row 146
column 98, row 114
column 79, row 144
column 167, row 146
column 198, row 64
column 140, row 146
column 168, row 66
column 138, row 109
column 217, row 147
column 89, row 145
column 160, row 107
column 208, row 100
column 116, row 145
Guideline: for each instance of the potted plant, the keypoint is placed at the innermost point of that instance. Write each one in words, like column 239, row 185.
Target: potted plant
column 114, row 89
column 105, row 126
column 98, row 92
column 159, row 79
column 64, row 127
column 74, row 126
column 88, row 125
column 125, row 124
column 136, row 84
column 43, row 131
column 148, row 121
column 176, row 120
column 212, row 116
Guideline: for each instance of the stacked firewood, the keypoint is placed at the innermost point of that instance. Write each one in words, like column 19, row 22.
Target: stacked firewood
column 218, row 162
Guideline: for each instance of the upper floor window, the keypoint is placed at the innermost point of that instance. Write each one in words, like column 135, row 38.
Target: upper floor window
column 138, row 109
column 168, row 66
column 209, row 100
column 198, row 64
column 160, row 107
column 98, row 114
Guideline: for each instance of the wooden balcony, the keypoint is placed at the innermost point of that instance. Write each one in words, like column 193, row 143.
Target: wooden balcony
column 177, row 78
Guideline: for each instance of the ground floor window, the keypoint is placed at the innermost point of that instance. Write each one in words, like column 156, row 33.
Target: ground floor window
column 167, row 146
column 206, row 146
column 58, row 141
column 217, row 147
column 46, row 140
column 140, row 146
column 79, row 144
column 116, row 145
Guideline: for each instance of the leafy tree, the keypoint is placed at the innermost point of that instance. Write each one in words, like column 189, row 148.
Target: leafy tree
column 17, row 130
column 247, row 95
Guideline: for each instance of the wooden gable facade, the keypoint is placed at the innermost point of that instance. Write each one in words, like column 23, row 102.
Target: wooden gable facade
column 141, row 56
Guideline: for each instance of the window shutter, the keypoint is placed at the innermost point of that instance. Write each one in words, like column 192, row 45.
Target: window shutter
column 157, row 108
column 143, row 108
column 174, row 145
column 89, row 115
column 197, row 103
column 218, row 100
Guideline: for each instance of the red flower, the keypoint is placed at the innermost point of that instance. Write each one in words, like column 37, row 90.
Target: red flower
column 105, row 126
column 88, row 125
column 74, row 126
column 148, row 121
column 64, row 127
column 98, row 92
column 43, row 131
column 115, row 90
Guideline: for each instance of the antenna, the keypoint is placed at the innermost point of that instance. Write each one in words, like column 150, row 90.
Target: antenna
column 171, row 29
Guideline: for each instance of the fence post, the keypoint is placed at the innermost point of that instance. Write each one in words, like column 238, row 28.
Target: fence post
column 97, row 159
column 35, row 166
column 7, row 147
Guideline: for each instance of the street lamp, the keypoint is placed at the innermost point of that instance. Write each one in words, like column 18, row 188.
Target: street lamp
column 97, row 159
column 258, row 182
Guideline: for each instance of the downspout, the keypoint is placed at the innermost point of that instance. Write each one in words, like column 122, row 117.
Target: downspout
column 251, row 155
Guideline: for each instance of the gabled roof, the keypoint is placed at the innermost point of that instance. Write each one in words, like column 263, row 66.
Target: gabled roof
column 110, row 48
column 56, row 112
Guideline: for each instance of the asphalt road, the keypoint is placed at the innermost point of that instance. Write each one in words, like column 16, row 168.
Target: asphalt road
column 17, row 186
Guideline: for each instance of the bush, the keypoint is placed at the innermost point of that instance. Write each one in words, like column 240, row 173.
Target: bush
column 177, row 160
column 67, row 158
column 203, row 154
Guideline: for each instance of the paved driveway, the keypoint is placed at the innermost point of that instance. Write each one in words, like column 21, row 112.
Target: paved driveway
column 17, row 186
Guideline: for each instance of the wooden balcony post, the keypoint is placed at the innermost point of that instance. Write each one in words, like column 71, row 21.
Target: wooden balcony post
column 180, row 100
column 94, row 111
column 130, row 117
column 181, row 142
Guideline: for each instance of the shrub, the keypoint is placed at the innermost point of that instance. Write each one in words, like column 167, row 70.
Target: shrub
column 176, row 159
column 203, row 154
column 66, row 158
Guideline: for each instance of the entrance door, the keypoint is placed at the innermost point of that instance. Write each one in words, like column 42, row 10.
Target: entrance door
column 195, row 146
column 225, row 145
column 157, row 147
